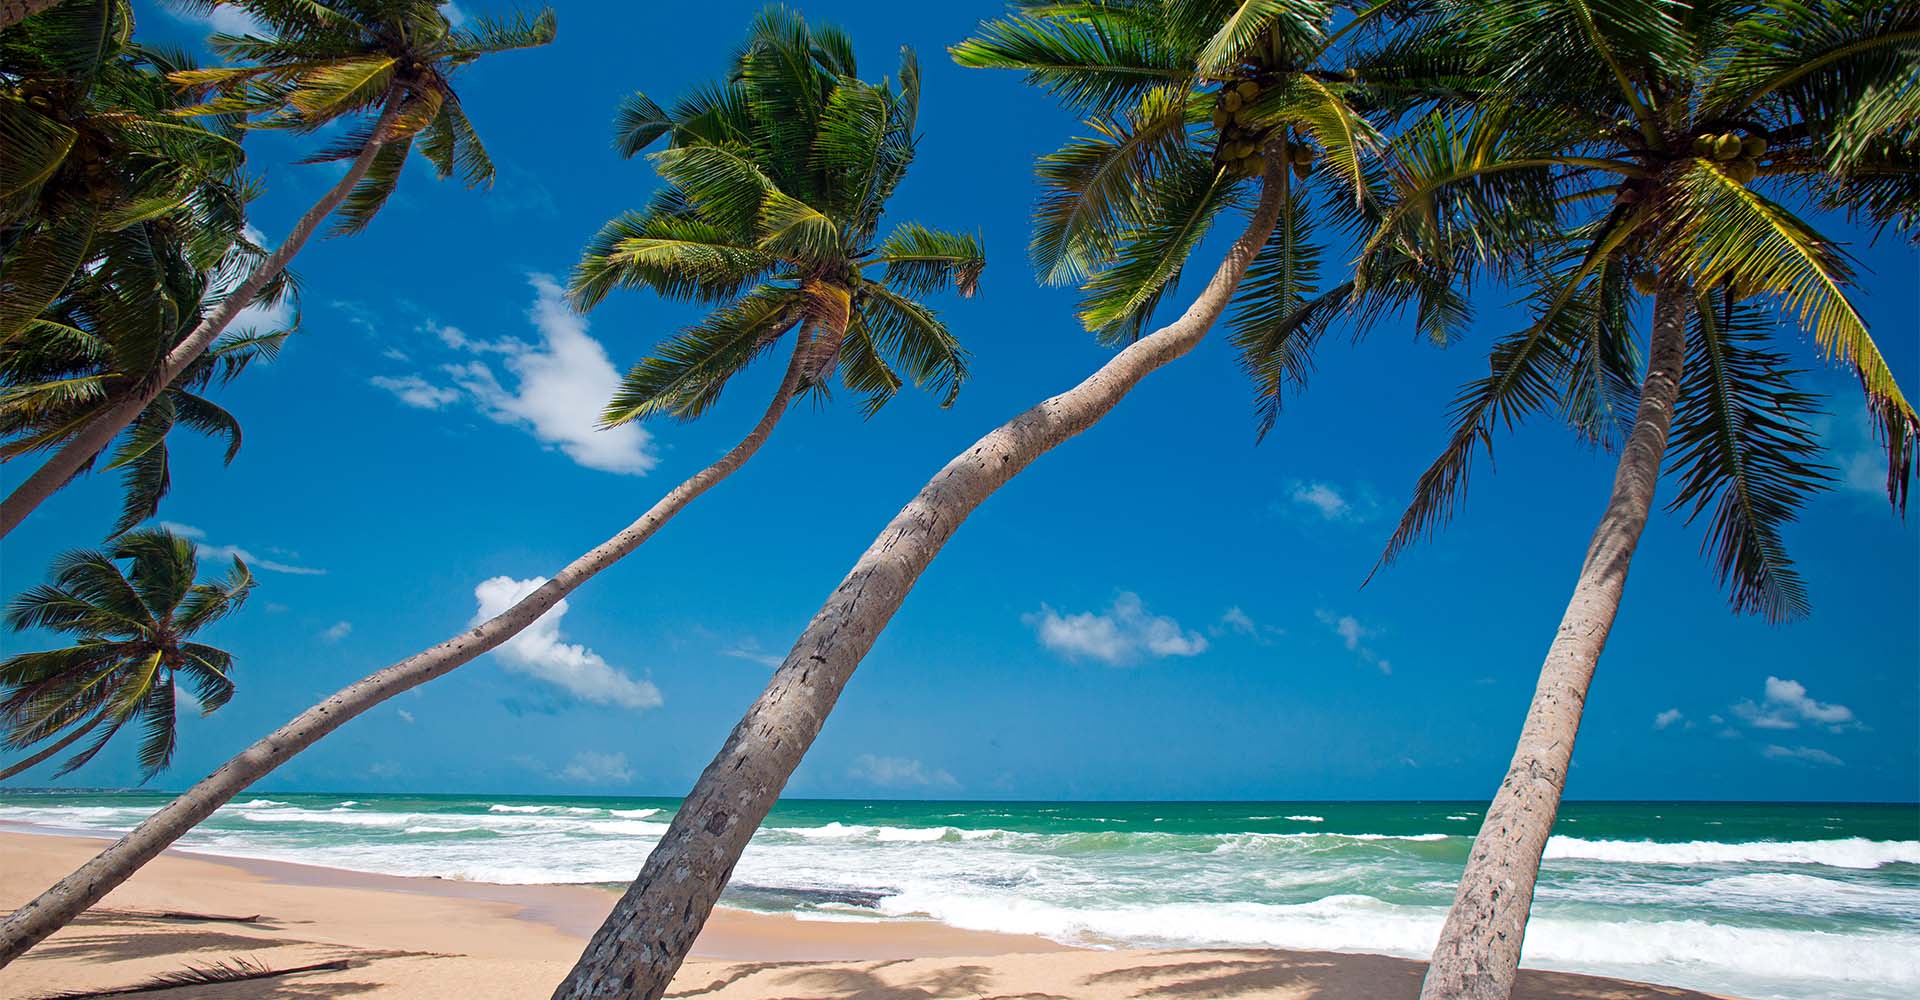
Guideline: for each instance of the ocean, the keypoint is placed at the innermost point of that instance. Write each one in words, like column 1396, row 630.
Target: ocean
column 1761, row 900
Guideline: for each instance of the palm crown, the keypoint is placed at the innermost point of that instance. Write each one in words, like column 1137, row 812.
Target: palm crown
column 1186, row 100
column 100, row 168
column 388, row 63
column 93, row 347
column 1648, row 148
column 135, row 630
column 776, row 182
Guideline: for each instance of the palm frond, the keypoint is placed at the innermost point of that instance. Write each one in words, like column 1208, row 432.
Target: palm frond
column 1743, row 444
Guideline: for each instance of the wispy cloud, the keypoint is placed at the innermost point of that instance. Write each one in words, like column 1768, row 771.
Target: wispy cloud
column 553, row 389
column 1805, row 755
column 1331, row 501
column 1668, row 718
column 259, row 317
column 415, row 391
column 224, row 20
column 590, row 767
column 749, row 650
column 1786, row 705
column 898, row 772
column 538, row 651
column 1354, row 635
column 211, row 552
column 405, row 716
column 1122, row 634
column 336, row 632
column 1235, row 621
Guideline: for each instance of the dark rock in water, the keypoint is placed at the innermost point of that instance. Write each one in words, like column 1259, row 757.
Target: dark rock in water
column 786, row 897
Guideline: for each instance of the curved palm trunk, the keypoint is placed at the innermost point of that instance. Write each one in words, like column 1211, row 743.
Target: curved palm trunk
column 641, row 945
column 72, row 457
column 63, row 743
column 68, row 898
column 1478, row 955
column 12, row 12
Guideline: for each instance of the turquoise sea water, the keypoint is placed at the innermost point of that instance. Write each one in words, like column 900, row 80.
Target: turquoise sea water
column 1763, row 900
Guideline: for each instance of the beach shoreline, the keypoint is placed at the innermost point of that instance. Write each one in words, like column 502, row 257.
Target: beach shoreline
column 430, row 937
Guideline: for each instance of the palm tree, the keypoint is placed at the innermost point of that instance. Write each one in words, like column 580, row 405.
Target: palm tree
column 101, row 337
column 1648, row 150
column 101, row 166
column 135, row 645
column 777, row 221
column 385, row 65
column 1124, row 211
column 877, row 319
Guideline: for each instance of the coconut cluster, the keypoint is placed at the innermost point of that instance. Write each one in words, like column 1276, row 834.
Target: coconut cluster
column 1242, row 147
column 1741, row 155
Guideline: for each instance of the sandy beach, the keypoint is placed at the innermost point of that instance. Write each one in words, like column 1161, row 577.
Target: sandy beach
column 435, row 938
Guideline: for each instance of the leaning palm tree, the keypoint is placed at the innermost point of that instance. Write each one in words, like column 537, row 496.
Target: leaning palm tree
column 1652, row 151
column 1122, row 213
column 384, row 69
column 102, row 336
column 795, row 269
column 134, row 647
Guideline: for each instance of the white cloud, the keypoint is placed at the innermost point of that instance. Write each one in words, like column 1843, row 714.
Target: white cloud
column 415, row 391
column 457, row 339
column 539, row 652
column 221, row 553
column 1786, row 705
column 898, row 772
column 1119, row 636
column 1322, row 497
column 1354, row 636
column 590, row 767
column 455, row 16
column 184, row 701
column 1807, row 755
column 750, row 650
column 1332, row 502
column 1237, row 621
column 559, row 386
column 336, row 632
column 224, row 19
column 405, row 716
column 1863, row 461
column 257, row 316
column 1668, row 718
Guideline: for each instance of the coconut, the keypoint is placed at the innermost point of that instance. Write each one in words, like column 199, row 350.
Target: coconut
column 1221, row 118
column 1248, row 90
column 1753, row 147
column 1301, row 154
column 1232, row 101
column 1703, row 145
column 1646, row 282
column 1726, row 147
column 1743, row 171
column 1302, row 170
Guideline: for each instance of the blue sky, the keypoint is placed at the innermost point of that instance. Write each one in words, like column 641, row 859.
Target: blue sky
column 1159, row 609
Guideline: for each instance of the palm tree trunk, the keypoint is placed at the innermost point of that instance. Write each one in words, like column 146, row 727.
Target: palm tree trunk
column 639, row 948
column 1478, row 955
column 72, row 457
column 68, row 898
column 59, row 745
column 12, row 12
